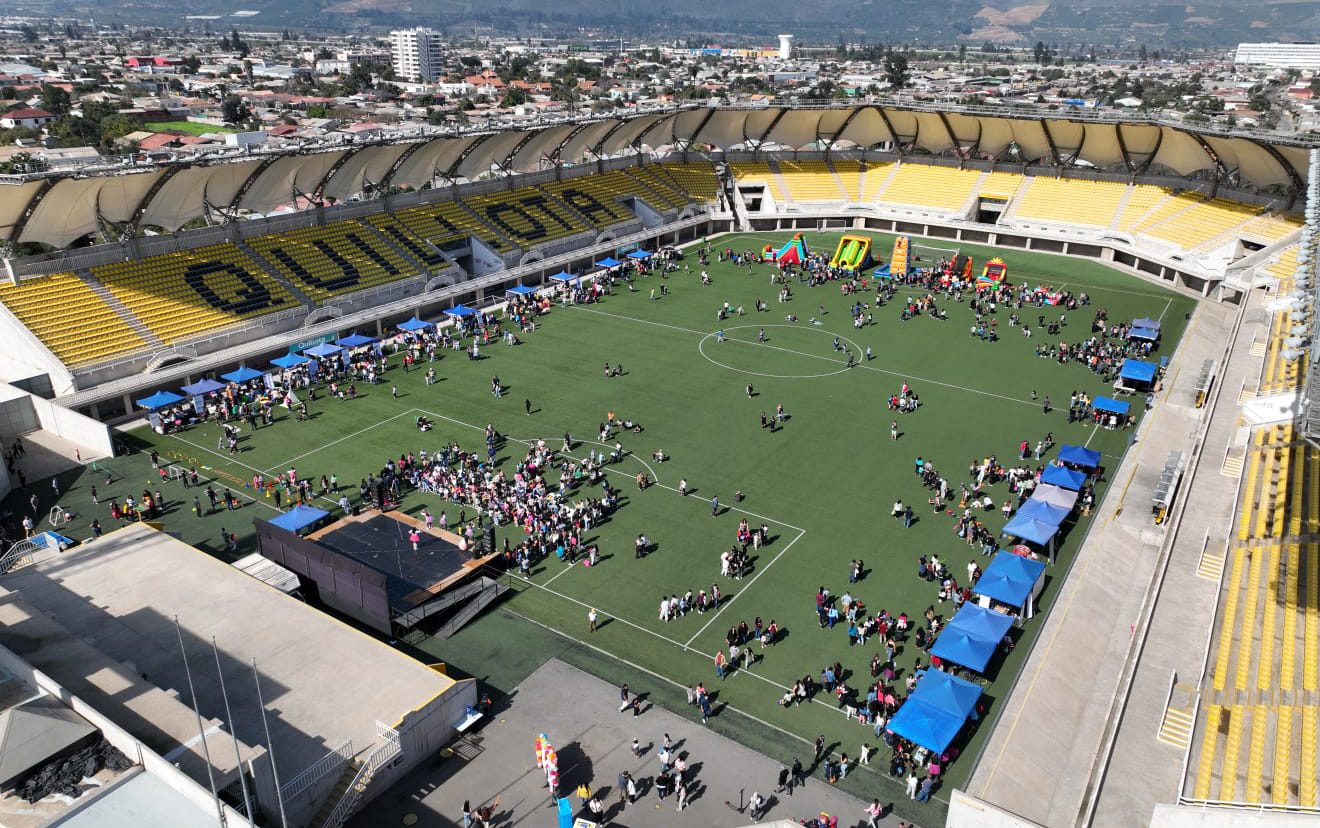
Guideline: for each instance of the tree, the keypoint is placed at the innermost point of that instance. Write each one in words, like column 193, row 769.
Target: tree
column 514, row 97
column 54, row 99
column 896, row 71
column 28, row 32
column 962, row 52
column 233, row 110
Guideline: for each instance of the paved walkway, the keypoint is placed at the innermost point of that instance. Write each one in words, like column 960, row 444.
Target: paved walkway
column 580, row 713
column 1144, row 771
column 1040, row 759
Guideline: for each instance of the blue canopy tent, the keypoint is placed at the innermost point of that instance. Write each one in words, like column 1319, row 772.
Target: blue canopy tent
column 1146, row 322
column 160, row 399
column 290, row 361
column 563, row 276
column 1111, row 406
column 608, row 261
column 1012, row 580
column 1079, row 456
column 520, row 290
column 325, row 349
column 205, row 386
column 413, row 325
column 1032, row 530
column 948, row 694
column 1138, row 371
column 924, row 725
column 979, row 622
column 242, row 374
column 299, row 518
column 1043, row 511
column 460, row 311
column 639, row 255
column 355, row 340
column 961, row 648
column 1149, row 334
column 1063, row 477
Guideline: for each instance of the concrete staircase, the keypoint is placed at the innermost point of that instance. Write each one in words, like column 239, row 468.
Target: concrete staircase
column 974, row 197
column 1211, row 565
column 120, row 309
column 838, row 180
column 274, row 273
column 884, row 185
column 1018, row 197
column 336, row 794
column 1122, row 208
column 1176, row 726
column 779, row 180
column 392, row 244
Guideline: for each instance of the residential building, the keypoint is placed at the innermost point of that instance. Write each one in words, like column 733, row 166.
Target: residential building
column 418, row 54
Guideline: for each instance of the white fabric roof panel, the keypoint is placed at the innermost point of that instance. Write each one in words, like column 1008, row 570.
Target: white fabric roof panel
column 686, row 124
column 866, row 130
column 1253, row 162
column 795, row 129
column 904, row 123
column 724, row 129
column 276, row 184
column 14, row 199
column 367, row 164
column 225, row 180
column 179, row 200
column 1181, row 153
column 542, row 144
column 652, row 130
column 1068, row 136
column 431, row 158
column 1101, row 147
column 1031, row 140
column 120, row 196
column 932, row 134
column 68, row 212
column 586, row 141
column 966, row 128
column 996, row 135
column 1140, row 140
column 494, row 150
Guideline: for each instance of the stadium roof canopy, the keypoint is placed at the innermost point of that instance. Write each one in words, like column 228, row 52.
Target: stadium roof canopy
column 58, row 208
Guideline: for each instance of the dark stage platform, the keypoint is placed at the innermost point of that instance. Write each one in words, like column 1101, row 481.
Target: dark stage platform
column 381, row 543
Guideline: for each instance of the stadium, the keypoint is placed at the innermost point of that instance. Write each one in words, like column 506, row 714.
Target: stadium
column 1167, row 607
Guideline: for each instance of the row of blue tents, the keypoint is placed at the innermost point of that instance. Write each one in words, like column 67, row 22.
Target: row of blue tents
column 1038, row 520
column 164, row 399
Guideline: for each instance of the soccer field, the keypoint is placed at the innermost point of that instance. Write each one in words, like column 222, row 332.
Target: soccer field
column 823, row 483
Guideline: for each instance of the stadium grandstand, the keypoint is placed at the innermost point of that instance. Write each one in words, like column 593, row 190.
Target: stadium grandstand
column 128, row 279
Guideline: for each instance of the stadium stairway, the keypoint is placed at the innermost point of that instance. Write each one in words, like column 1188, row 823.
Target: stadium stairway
column 120, row 309
column 1123, row 203
column 853, row 192
column 408, row 255
column 506, row 242
column 275, row 273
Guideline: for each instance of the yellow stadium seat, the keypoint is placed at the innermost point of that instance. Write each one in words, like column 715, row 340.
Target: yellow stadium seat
column 181, row 295
column 70, row 319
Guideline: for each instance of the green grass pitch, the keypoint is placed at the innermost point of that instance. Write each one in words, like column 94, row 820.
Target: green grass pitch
column 823, row 483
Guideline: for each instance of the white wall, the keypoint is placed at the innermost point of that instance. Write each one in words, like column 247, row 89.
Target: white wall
column 966, row 811
column 92, row 435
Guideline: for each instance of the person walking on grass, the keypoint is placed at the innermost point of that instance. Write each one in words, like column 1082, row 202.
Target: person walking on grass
column 591, row 620
column 527, row 407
